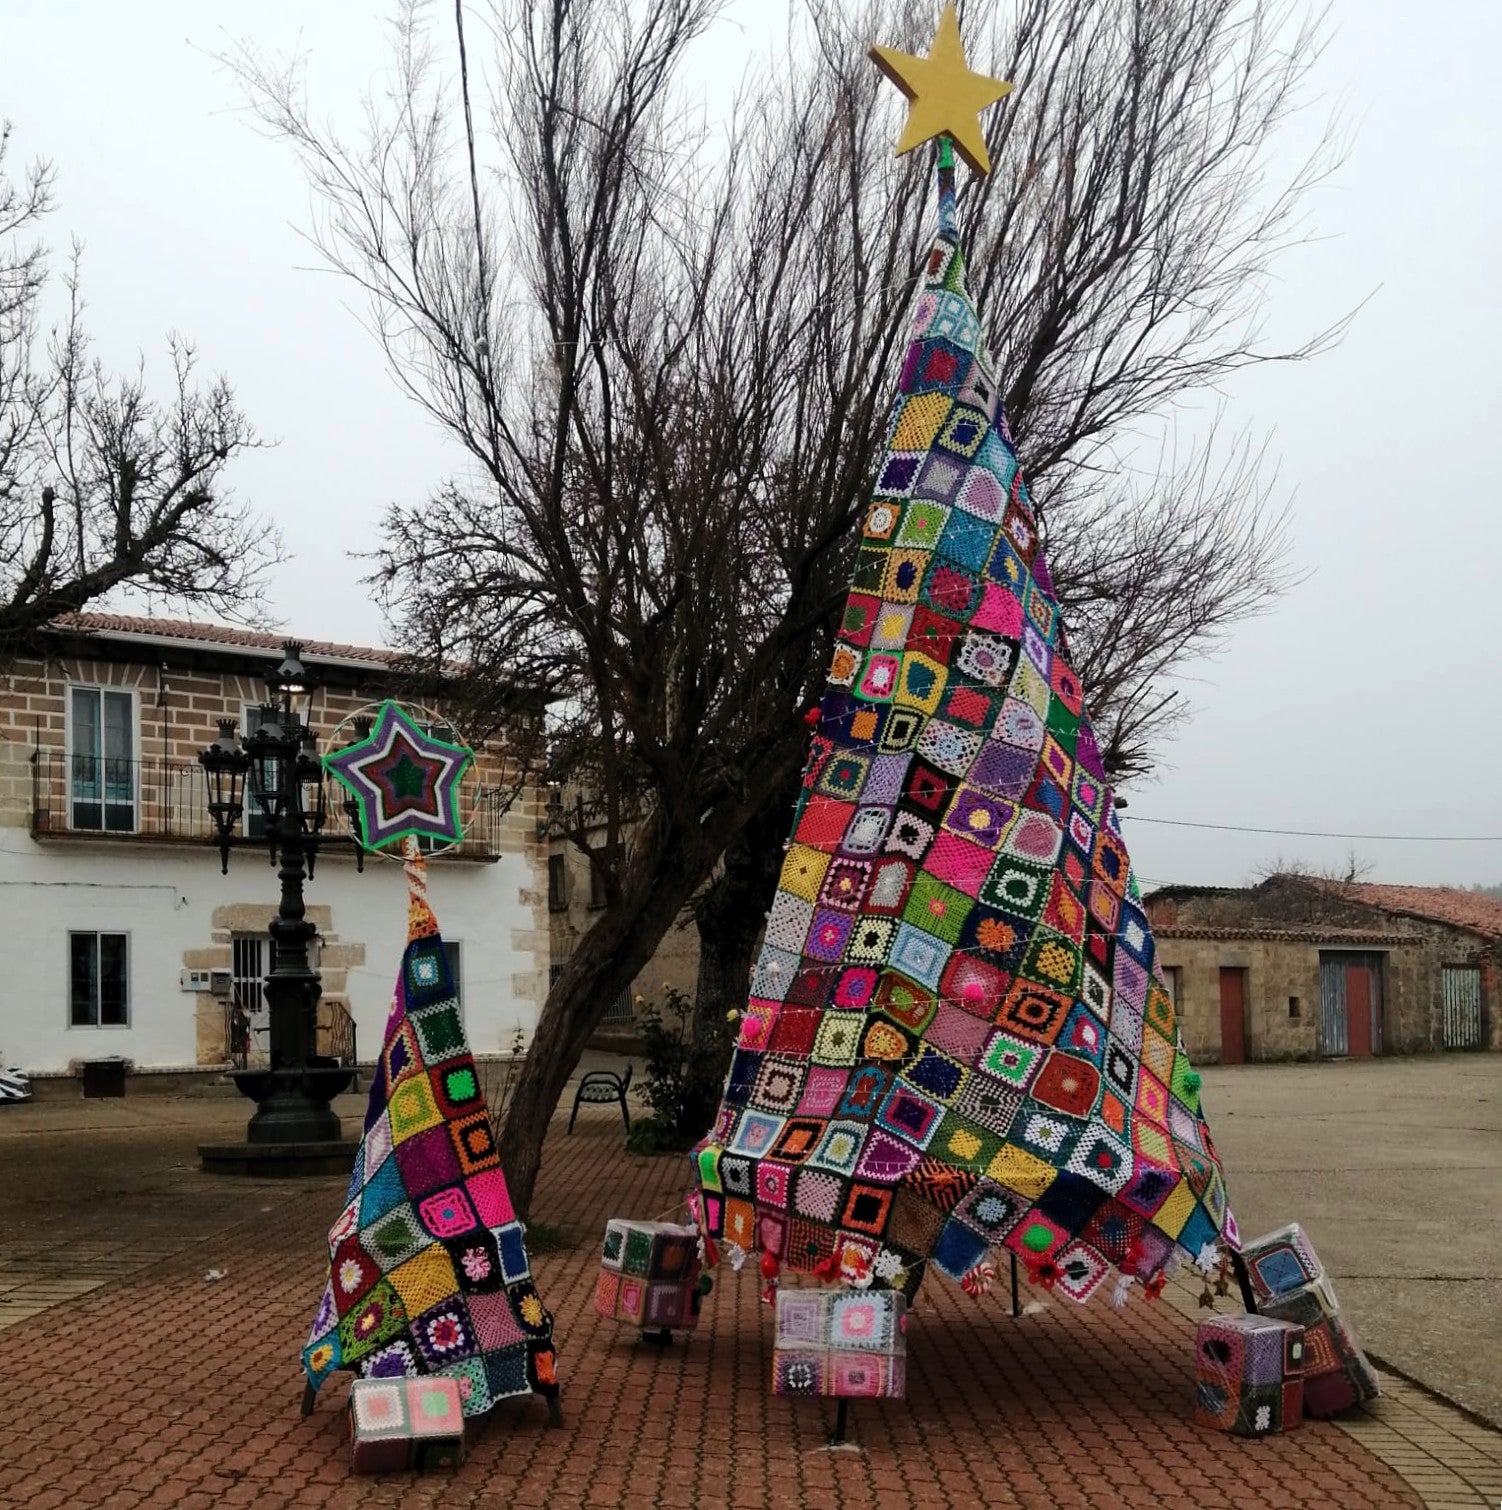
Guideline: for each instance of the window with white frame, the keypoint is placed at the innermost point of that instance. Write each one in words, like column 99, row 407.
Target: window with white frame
column 102, row 759
column 454, row 954
column 98, row 980
column 252, row 819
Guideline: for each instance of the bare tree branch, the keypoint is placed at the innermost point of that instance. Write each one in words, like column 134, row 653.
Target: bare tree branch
column 668, row 356
column 103, row 486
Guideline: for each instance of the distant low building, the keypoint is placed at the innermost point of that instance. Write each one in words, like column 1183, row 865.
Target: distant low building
column 122, row 938
column 1304, row 968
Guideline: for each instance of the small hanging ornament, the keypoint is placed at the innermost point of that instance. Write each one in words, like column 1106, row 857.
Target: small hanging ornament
column 1043, row 1271
column 1223, row 1279
column 979, row 1280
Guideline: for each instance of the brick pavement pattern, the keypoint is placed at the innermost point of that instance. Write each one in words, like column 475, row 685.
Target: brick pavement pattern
column 160, row 1389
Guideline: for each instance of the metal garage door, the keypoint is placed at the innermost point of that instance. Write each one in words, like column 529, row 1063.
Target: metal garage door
column 1461, row 988
column 1350, row 1000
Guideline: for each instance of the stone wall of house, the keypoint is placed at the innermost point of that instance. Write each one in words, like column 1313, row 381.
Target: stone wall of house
column 1282, row 991
column 675, row 965
column 177, row 715
column 1413, row 1005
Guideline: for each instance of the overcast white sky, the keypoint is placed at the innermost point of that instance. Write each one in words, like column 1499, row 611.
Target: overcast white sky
column 1368, row 702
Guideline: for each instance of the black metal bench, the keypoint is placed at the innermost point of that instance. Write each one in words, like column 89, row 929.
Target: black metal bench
column 601, row 1088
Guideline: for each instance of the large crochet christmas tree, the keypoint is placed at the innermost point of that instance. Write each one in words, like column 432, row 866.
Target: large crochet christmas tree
column 958, row 1037
column 428, row 1268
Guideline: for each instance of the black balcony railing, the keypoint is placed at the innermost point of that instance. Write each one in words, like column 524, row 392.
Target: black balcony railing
column 339, row 1036
column 88, row 795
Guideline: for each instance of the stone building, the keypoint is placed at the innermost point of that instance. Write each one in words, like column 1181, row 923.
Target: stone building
column 121, row 937
column 1305, row 968
column 575, row 898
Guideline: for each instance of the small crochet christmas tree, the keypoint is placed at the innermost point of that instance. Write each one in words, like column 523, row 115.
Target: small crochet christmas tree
column 428, row 1268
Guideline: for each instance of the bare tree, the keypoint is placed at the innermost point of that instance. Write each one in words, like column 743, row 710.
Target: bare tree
column 1353, row 869
column 668, row 358
column 102, row 485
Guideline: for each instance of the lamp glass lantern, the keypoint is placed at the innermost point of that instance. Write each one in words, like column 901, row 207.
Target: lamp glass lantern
column 290, row 679
column 314, row 796
column 225, row 765
column 269, row 777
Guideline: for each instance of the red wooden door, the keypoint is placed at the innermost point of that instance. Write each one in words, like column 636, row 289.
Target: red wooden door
column 1359, row 1011
column 1233, row 1016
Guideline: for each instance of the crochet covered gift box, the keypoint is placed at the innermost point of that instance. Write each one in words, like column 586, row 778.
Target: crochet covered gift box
column 1249, row 1375
column 1291, row 1284
column 398, row 1424
column 649, row 1275
column 849, row 1343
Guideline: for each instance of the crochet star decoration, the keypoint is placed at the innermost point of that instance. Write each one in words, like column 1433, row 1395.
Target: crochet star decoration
column 403, row 779
column 945, row 95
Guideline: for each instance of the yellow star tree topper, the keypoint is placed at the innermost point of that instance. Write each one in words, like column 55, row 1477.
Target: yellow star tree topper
column 946, row 97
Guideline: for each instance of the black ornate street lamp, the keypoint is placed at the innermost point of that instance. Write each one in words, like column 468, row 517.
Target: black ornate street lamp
column 278, row 761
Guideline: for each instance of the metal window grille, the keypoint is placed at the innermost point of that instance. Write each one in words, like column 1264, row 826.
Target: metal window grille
column 620, row 1009
column 247, row 979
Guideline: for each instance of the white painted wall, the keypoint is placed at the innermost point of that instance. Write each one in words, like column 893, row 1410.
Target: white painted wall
column 164, row 899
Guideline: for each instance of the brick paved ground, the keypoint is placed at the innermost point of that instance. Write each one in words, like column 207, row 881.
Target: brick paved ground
column 161, row 1388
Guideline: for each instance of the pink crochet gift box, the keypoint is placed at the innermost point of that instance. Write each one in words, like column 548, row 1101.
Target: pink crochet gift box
column 397, row 1424
column 846, row 1343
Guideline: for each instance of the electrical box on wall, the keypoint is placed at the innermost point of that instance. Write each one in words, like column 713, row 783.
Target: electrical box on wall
column 219, row 982
column 195, row 980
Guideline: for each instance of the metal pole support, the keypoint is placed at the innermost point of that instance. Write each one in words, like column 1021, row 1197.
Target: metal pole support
column 1248, row 1297
column 841, row 1420
column 1016, row 1298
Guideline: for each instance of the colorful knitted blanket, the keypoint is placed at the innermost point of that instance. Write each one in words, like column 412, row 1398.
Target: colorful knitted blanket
column 428, row 1268
column 957, row 1036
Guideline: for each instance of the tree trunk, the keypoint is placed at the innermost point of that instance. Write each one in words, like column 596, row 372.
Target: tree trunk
column 730, row 915
column 605, row 962
column 670, row 862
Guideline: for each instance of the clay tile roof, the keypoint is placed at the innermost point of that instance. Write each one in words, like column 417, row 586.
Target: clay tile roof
column 215, row 634
column 1304, row 934
column 1472, row 910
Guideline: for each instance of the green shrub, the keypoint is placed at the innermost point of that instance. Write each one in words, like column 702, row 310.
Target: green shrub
column 681, row 1077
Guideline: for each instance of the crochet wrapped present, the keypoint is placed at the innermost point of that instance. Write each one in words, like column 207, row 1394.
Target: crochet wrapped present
column 958, row 1037
column 1290, row 1283
column 649, row 1275
column 1249, row 1375
column 398, row 1424
column 428, row 1268
column 846, row 1343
